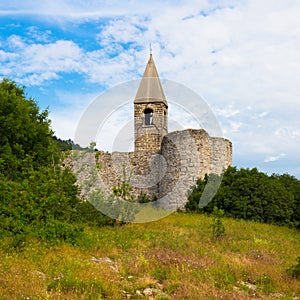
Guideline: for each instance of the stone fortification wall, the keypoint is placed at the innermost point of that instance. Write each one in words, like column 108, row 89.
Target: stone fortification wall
column 185, row 156
column 189, row 155
column 221, row 157
column 140, row 169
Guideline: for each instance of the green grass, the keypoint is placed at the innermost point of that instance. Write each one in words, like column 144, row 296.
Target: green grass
column 175, row 258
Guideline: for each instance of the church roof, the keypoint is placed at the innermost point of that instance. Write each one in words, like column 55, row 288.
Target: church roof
column 150, row 89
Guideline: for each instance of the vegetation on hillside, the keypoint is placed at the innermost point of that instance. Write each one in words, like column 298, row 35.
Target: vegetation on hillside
column 37, row 196
column 53, row 245
column 65, row 145
column 26, row 137
column 173, row 258
column 252, row 195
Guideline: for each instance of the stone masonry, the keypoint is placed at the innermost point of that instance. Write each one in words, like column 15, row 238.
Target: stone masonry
column 163, row 165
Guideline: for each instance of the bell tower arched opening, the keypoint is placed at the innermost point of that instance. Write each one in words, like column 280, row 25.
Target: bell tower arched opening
column 148, row 114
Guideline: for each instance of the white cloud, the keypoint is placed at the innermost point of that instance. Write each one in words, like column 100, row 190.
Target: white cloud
column 64, row 123
column 32, row 64
column 81, row 9
column 15, row 42
column 262, row 114
column 235, row 126
column 37, row 35
column 241, row 56
column 274, row 158
column 38, row 78
column 289, row 132
column 65, row 118
column 121, row 31
column 7, row 56
column 227, row 112
column 59, row 56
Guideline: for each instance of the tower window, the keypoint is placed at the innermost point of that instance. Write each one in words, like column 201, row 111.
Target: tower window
column 148, row 116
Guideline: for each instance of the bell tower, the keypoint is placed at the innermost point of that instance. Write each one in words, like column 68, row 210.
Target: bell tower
column 150, row 112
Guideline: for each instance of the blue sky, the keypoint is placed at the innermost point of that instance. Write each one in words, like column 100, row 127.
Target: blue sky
column 242, row 57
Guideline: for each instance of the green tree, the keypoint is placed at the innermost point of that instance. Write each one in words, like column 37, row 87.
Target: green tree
column 195, row 195
column 292, row 184
column 252, row 195
column 36, row 194
column 25, row 133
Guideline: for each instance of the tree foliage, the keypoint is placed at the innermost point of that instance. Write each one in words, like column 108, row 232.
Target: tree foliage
column 65, row 145
column 25, row 133
column 253, row 195
column 37, row 195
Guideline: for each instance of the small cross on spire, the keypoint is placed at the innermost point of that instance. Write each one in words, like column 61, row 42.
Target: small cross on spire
column 150, row 48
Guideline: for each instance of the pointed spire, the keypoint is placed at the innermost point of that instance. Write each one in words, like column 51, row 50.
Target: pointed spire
column 150, row 71
column 150, row 88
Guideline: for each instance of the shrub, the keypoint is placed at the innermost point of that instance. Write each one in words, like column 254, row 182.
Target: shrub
column 294, row 270
column 143, row 198
column 37, row 196
column 86, row 213
column 252, row 195
column 55, row 231
column 217, row 227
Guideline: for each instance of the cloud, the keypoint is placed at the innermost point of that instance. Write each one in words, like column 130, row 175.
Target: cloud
column 82, row 9
column 38, row 78
column 227, row 112
column 15, row 42
column 273, row 158
column 241, row 56
column 65, row 118
column 262, row 114
column 235, row 126
column 32, row 64
column 38, row 35
column 290, row 132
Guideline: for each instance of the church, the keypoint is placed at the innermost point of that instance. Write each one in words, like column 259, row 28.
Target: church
column 164, row 165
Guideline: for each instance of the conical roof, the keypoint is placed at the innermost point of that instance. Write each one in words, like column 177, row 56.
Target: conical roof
column 150, row 89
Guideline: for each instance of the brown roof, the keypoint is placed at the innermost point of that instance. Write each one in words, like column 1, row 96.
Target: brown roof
column 150, row 89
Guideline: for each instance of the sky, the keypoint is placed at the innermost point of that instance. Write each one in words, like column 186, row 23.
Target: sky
column 242, row 57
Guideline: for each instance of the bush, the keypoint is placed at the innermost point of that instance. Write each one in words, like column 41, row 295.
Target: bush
column 86, row 213
column 143, row 198
column 252, row 195
column 37, row 196
column 294, row 271
column 217, row 227
column 57, row 231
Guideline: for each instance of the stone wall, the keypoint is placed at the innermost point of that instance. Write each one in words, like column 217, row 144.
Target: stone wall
column 185, row 156
column 140, row 169
column 190, row 154
column 221, row 157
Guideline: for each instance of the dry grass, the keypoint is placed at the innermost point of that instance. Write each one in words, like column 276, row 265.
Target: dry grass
column 174, row 258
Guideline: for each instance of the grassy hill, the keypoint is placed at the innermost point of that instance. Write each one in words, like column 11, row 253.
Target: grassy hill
column 174, row 258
